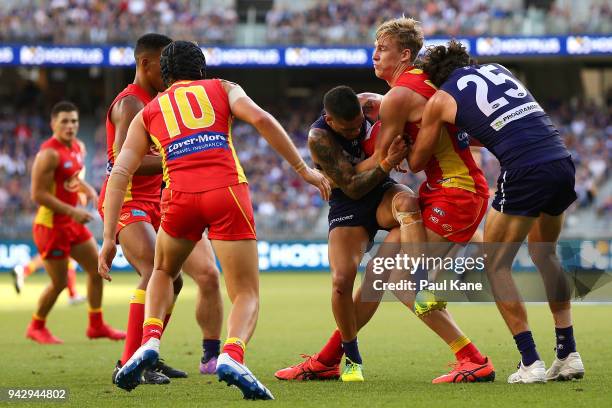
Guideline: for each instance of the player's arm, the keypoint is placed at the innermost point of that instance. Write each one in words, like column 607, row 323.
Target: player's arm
column 394, row 107
column 439, row 110
column 244, row 108
column 328, row 154
column 43, row 172
column 132, row 153
column 122, row 114
column 370, row 104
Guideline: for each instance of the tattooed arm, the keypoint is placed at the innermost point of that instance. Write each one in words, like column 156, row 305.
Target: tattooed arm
column 328, row 155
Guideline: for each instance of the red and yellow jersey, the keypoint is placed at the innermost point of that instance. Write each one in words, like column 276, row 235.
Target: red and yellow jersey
column 141, row 188
column 66, row 181
column 451, row 164
column 190, row 123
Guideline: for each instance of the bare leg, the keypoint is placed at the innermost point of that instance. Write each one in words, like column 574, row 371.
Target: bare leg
column 200, row 265
column 503, row 235
column 542, row 249
column 86, row 254
column 57, row 270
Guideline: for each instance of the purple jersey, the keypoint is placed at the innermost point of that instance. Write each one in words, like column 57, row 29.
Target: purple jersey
column 497, row 110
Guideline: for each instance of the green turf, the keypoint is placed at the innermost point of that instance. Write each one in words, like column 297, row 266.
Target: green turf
column 401, row 356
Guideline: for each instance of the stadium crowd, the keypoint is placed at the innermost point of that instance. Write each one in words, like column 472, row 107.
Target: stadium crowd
column 354, row 22
column 283, row 203
column 328, row 22
column 115, row 21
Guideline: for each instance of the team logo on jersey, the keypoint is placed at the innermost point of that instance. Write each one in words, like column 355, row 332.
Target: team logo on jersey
column 196, row 143
column 447, row 227
column 124, row 216
column 439, row 211
column 463, row 140
column 433, row 219
column 72, row 184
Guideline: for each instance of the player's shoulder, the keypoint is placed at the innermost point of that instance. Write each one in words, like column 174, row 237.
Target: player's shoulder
column 128, row 104
column 49, row 152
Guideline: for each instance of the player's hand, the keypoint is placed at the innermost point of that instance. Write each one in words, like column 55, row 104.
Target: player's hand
column 92, row 196
column 105, row 258
column 397, row 151
column 80, row 215
column 318, row 180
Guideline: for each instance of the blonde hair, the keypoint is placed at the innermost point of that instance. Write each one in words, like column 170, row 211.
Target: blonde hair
column 407, row 31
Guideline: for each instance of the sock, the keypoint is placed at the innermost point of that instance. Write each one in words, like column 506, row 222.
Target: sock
column 526, row 345
column 95, row 317
column 566, row 343
column 152, row 328
column 30, row 268
column 332, row 351
column 465, row 349
column 134, row 325
column 235, row 348
column 38, row 322
column 71, row 284
column 351, row 350
column 211, row 349
column 168, row 314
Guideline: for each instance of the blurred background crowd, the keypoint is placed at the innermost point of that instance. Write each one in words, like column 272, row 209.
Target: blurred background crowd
column 290, row 22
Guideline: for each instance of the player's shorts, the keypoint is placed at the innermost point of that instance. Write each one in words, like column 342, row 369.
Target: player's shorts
column 227, row 212
column 543, row 188
column 137, row 211
column 56, row 242
column 346, row 212
column 452, row 212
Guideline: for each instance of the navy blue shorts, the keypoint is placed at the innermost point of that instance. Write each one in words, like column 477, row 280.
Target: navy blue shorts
column 346, row 212
column 543, row 188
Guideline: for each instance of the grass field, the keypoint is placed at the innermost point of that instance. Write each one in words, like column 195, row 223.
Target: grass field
column 401, row 356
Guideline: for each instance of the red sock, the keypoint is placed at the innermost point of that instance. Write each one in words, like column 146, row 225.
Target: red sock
column 471, row 352
column 235, row 348
column 37, row 323
column 166, row 320
column 152, row 328
column 332, row 352
column 134, row 328
column 95, row 317
column 27, row 271
column 71, row 284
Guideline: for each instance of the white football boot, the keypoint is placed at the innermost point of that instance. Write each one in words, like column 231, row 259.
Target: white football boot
column 567, row 369
column 535, row 373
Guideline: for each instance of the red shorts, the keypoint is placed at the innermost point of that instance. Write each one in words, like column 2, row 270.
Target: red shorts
column 137, row 211
column 453, row 213
column 227, row 212
column 56, row 242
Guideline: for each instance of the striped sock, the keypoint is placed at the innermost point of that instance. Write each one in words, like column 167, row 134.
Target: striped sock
column 235, row 348
column 463, row 348
column 152, row 328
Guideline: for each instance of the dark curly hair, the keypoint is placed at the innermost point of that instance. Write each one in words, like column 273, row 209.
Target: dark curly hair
column 182, row 60
column 440, row 61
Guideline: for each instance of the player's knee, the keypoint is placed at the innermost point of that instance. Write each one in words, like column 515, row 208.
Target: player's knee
column 59, row 284
column 406, row 209
column 208, row 283
column 541, row 253
column 342, row 281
